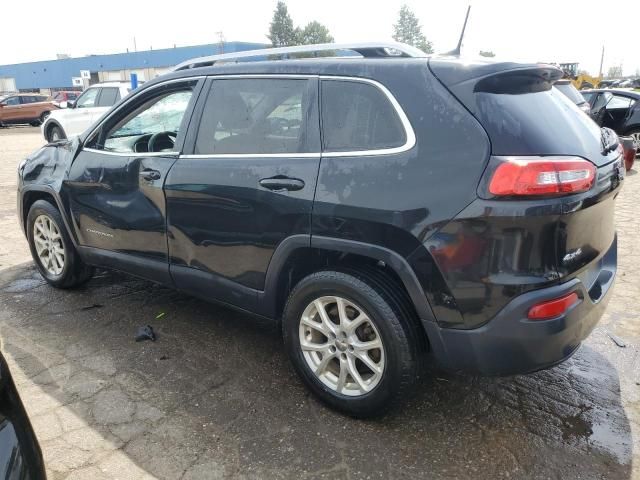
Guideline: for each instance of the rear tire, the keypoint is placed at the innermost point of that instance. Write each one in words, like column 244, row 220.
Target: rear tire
column 367, row 342
column 52, row 249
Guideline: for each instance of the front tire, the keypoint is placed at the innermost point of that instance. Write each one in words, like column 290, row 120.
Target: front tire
column 350, row 343
column 55, row 134
column 52, row 249
column 636, row 136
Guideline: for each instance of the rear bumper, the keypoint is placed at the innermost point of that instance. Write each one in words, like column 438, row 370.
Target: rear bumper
column 511, row 344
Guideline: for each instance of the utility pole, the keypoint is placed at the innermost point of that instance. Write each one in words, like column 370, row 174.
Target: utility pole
column 135, row 47
column 601, row 62
column 221, row 41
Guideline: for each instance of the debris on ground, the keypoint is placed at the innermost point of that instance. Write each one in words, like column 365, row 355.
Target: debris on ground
column 160, row 315
column 91, row 307
column 145, row 333
column 617, row 340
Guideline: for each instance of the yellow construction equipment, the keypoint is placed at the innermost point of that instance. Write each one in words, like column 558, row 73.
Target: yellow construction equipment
column 581, row 80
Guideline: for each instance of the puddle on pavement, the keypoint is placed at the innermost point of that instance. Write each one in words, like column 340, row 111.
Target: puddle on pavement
column 607, row 438
column 576, row 426
column 23, row 285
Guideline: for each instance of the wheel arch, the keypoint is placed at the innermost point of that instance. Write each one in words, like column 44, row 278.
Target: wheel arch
column 301, row 255
column 49, row 124
column 632, row 128
column 32, row 194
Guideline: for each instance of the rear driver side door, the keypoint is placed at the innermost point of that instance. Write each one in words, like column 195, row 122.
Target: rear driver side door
column 244, row 186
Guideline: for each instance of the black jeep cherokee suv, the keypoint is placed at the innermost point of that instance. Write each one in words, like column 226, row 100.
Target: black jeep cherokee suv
column 380, row 207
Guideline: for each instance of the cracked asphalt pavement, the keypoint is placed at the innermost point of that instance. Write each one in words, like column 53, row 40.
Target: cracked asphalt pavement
column 214, row 397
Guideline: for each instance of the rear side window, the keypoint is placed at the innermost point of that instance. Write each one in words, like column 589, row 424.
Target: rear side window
column 619, row 101
column 571, row 92
column 258, row 116
column 12, row 101
column 536, row 123
column 358, row 116
column 108, row 97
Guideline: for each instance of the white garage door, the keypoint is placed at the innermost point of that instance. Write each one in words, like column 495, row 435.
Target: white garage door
column 8, row 85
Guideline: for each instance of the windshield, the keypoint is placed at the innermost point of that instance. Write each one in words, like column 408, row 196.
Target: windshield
column 571, row 92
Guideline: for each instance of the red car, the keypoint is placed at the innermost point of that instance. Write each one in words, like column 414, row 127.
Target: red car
column 629, row 149
column 65, row 96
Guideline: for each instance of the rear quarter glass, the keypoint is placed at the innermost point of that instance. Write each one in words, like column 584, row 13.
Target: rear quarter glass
column 540, row 123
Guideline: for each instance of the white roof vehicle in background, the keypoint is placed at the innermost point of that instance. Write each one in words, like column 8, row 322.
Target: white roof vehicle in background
column 73, row 118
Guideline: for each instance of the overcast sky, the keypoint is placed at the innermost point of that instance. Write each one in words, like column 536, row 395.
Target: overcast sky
column 547, row 31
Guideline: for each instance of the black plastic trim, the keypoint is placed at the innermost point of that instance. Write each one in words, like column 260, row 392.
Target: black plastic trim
column 147, row 268
column 394, row 260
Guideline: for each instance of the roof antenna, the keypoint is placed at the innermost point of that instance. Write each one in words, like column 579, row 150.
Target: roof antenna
column 456, row 51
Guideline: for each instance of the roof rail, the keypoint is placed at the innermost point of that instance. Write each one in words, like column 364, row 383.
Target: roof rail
column 366, row 50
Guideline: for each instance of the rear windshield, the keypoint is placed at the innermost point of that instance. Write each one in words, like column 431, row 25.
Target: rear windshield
column 540, row 123
column 571, row 92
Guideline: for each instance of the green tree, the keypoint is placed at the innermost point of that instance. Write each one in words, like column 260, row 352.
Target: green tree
column 409, row 31
column 487, row 53
column 281, row 31
column 314, row 32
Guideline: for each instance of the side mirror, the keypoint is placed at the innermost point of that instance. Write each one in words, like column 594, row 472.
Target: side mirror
column 70, row 104
column 64, row 104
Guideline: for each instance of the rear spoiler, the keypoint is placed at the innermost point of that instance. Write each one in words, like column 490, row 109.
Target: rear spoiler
column 464, row 79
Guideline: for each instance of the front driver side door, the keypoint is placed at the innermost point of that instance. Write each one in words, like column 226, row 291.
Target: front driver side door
column 616, row 112
column 114, row 187
column 11, row 110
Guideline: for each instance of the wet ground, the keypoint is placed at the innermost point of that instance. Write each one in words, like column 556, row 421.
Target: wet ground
column 214, row 397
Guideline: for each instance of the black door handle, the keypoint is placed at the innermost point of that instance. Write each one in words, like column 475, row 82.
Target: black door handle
column 149, row 174
column 280, row 183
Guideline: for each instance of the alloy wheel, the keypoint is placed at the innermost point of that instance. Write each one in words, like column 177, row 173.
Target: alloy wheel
column 49, row 246
column 636, row 137
column 342, row 346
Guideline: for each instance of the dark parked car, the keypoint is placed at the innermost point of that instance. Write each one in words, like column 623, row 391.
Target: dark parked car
column 618, row 110
column 572, row 93
column 20, row 455
column 381, row 208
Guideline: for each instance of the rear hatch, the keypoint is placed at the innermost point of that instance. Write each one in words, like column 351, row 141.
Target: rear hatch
column 526, row 118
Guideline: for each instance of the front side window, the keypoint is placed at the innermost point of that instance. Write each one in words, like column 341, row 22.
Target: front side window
column 88, row 98
column 258, row 116
column 12, row 101
column 357, row 116
column 151, row 127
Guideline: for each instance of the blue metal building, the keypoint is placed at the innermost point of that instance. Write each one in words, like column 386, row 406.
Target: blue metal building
column 52, row 74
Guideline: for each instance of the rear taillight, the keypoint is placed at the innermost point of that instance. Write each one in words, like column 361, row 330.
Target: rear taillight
column 541, row 176
column 553, row 308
